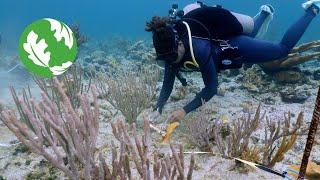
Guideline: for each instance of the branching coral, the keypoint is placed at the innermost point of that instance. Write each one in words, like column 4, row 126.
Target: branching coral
column 294, row 58
column 239, row 144
column 116, row 45
column 130, row 92
column 71, row 83
column 141, row 51
column 137, row 150
column 275, row 132
column 199, row 127
column 200, row 132
column 65, row 137
column 81, row 38
column 241, row 130
column 254, row 80
column 282, row 70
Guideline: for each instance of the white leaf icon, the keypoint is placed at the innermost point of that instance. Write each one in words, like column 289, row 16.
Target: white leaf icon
column 57, row 70
column 61, row 31
column 36, row 50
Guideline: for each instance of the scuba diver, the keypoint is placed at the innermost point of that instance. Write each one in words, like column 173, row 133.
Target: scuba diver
column 210, row 39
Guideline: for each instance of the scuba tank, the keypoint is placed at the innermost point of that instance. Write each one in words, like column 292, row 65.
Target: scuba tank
column 221, row 22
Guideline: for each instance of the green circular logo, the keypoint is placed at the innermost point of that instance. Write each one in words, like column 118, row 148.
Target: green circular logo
column 47, row 47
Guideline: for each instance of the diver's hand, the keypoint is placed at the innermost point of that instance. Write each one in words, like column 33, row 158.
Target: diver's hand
column 154, row 116
column 176, row 116
column 158, row 109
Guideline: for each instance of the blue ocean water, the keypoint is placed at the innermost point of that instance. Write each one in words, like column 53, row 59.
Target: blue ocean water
column 100, row 19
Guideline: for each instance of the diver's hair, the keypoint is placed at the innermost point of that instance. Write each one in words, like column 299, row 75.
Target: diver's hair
column 157, row 24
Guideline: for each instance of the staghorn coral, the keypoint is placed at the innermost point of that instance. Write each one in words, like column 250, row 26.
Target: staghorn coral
column 282, row 70
column 131, row 92
column 296, row 57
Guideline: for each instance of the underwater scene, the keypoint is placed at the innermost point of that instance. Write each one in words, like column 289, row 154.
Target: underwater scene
column 182, row 90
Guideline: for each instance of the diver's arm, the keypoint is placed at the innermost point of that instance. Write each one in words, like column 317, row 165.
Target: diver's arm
column 210, row 79
column 202, row 51
column 167, row 86
column 182, row 79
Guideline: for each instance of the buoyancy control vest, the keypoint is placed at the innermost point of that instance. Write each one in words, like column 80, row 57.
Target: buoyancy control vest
column 217, row 25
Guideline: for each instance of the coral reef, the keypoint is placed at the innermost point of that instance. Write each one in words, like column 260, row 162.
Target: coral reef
column 69, row 133
column 295, row 94
column 200, row 132
column 254, row 80
column 200, row 128
column 72, row 81
column 258, row 80
column 138, row 151
column 130, row 92
column 289, row 76
column 240, row 142
column 141, row 51
column 129, row 153
column 99, row 61
column 276, row 131
column 182, row 91
column 297, row 56
column 81, row 38
column 67, row 139
column 116, row 45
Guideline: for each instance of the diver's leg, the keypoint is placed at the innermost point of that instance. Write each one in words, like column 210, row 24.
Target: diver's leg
column 258, row 21
column 261, row 18
column 257, row 51
column 295, row 32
